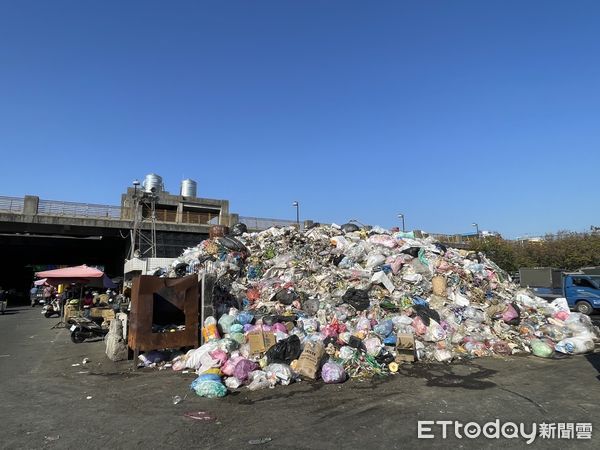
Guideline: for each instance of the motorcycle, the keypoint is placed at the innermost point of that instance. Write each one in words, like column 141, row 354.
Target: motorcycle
column 83, row 328
column 51, row 309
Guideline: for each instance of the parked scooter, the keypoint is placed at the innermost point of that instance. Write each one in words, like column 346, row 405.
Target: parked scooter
column 83, row 328
column 51, row 309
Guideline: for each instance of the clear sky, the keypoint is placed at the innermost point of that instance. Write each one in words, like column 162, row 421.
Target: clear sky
column 450, row 112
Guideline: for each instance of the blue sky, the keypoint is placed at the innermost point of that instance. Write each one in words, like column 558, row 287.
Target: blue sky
column 449, row 112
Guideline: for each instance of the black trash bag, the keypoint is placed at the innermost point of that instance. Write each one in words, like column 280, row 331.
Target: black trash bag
column 313, row 225
column 286, row 296
column 336, row 259
column 203, row 258
column 385, row 357
column 474, row 257
column 412, row 251
column 285, row 351
column 238, row 229
column 232, row 244
column 181, row 269
column 426, row 313
column 350, row 227
column 160, row 272
column 357, row 298
column 272, row 319
column 441, row 248
column 356, row 343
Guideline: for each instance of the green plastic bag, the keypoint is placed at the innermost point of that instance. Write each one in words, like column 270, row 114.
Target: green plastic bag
column 541, row 349
column 210, row 389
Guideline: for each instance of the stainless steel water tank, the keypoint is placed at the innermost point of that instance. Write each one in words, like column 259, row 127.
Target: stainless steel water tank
column 188, row 188
column 153, row 181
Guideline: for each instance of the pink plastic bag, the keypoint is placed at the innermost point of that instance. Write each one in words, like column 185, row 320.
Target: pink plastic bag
column 419, row 326
column 229, row 366
column 510, row 314
column 219, row 355
column 243, row 369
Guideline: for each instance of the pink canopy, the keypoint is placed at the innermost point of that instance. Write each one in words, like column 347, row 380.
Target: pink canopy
column 72, row 272
column 78, row 274
column 40, row 282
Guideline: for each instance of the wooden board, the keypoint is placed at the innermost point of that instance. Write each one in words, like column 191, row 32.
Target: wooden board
column 182, row 293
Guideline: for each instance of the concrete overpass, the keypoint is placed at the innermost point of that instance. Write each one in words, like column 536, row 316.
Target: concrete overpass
column 36, row 232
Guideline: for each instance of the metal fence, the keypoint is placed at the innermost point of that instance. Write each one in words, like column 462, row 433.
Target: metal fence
column 56, row 208
column 257, row 223
column 12, row 204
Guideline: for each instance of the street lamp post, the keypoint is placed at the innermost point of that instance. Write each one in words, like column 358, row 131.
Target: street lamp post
column 401, row 217
column 297, row 206
column 476, row 227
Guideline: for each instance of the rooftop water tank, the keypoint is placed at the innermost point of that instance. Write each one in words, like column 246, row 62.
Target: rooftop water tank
column 153, row 181
column 188, row 188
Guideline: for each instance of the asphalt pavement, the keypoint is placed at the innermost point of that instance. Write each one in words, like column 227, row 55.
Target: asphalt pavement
column 50, row 399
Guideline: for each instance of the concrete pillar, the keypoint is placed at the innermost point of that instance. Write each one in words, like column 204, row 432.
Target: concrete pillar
column 233, row 219
column 30, row 205
column 179, row 215
column 224, row 213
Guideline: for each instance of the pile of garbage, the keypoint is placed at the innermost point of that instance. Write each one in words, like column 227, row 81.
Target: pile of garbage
column 337, row 302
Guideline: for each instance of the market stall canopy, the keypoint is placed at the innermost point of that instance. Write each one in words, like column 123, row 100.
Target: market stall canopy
column 40, row 282
column 78, row 274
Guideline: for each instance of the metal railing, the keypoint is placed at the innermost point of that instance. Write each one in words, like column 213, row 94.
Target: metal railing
column 258, row 223
column 57, row 208
column 12, row 204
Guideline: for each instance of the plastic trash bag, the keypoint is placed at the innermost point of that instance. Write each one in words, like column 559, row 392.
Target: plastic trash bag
column 243, row 368
column 418, row 325
column 357, row 298
column 350, row 228
column 346, row 353
column 510, row 314
column 220, row 356
column 232, row 383
column 560, row 304
column 285, row 351
column 236, row 328
column 229, row 366
column 374, row 260
column 281, row 372
column 575, row 346
column 332, row 372
column 384, row 328
column 238, row 229
column 541, row 349
column 373, row 346
column 225, row 323
column 258, row 380
column 210, row 389
column 245, row 317
column 434, row 332
column 205, row 377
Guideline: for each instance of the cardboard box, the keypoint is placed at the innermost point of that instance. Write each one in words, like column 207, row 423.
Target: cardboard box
column 105, row 313
column 260, row 341
column 71, row 311
column 405, row 348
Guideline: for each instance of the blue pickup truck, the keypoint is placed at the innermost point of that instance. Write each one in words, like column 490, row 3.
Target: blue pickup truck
column 581, row 290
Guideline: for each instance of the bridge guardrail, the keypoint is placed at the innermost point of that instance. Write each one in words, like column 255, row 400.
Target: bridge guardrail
column 57, row 208
column 12, row 204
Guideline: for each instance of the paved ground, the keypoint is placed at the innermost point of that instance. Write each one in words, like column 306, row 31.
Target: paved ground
column 44, row 403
